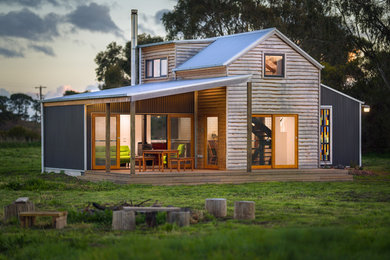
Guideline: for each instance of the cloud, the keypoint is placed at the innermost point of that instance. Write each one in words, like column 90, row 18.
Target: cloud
column 28, row 25
column 10, row 53
column 29, row 3
column 4, row 92
column 146, row 30
column 44, row 49
column 159, row 15
column 92, row 87
column 94, row 18
column 58, row 92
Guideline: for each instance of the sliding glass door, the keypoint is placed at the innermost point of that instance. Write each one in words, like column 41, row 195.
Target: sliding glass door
column 180, row 129
column 285, row 141
column 274, row 141
column 262, row 141
column 99, row 141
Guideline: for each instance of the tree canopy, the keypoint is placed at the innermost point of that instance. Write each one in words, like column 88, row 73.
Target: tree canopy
column 351, row 38
column 114, row 64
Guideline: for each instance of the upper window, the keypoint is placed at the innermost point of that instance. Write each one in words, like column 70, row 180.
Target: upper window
column 274, row 65
column 156, row 68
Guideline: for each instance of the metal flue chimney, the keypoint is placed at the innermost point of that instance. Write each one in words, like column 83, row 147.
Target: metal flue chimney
column 134, row 34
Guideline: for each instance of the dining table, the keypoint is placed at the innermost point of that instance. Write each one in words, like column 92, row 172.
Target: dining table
column 160, row 155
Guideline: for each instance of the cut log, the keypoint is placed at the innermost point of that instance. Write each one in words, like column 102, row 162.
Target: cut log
column 216, row 207
column 123, row 220
column 20, row 205
column 244, row 210
column 181, row 218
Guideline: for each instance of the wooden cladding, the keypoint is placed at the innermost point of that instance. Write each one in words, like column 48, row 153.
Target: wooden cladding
column 164, row 51
column 212, row 102
column 296, row 93
column 183, row 103
column 219, row 71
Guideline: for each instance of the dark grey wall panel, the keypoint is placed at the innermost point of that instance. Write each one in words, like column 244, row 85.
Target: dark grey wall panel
column 345, row 147
column 64, row 137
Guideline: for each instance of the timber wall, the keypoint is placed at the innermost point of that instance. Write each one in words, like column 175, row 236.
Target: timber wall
column 212, row 102
column 296, row 93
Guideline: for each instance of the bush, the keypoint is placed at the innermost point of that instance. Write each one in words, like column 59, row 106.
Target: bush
column 33, row 184
column 99, row 216
column 22, row 133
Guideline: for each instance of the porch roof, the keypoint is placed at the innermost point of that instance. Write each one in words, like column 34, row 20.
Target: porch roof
column 158, row 89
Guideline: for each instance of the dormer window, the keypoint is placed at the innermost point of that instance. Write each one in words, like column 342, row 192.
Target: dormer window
column 274, row 65
column 156, row 68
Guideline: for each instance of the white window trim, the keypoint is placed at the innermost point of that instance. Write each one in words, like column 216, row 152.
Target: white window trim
column 331, row 136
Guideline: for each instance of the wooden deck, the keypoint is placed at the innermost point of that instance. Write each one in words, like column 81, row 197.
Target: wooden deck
column 217, row 177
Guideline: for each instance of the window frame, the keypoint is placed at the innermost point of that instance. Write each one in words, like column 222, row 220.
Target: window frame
column 283, row 65
column 330, row 162
column 152, row 61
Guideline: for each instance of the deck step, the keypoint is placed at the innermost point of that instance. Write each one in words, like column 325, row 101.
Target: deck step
column 220, row 177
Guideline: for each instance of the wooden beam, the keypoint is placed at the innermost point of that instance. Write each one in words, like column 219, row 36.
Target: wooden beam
column 249, row 127
column 87, row 101
column 132, row 137
column 108, row 157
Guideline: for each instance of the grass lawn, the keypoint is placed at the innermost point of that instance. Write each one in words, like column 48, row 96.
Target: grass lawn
column 294, row 220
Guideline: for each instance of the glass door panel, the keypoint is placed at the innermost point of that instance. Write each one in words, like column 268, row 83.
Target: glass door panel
column 181, row 135
column 285, row 138
column 211, row 142
column 262, row 141
column 99, row 141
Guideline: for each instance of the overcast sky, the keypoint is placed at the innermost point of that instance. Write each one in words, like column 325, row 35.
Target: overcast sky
column 53, row 43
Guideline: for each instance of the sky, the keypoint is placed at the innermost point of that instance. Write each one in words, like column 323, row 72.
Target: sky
column 53, row 43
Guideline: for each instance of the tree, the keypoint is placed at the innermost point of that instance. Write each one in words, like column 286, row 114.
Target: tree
column 114, row 64
column 36, row 107
column 368, row 21
column 19, row 105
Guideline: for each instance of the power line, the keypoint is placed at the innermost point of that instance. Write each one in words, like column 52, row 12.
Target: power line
column 40, row 92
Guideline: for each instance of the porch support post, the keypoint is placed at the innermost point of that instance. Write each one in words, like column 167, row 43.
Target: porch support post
column 132, row 137
column 108, row 157
column 249, row 127
column 196, row 128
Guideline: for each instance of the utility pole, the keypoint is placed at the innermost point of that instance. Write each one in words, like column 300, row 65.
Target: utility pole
column 40, row 92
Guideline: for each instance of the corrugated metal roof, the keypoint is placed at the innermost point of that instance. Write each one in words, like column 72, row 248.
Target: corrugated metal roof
column 343, row 94
column 158, row 89
column 177, row 41
column 224, row 49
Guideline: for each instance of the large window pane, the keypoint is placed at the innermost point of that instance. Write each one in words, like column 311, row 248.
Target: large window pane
column 262, row 141
column 212, row 141
column 181, row 135
column 274, row 65
column 100, row 140
column 149, row 68
column 285, row 140
column 158, row 128
column 164, row 67
column 156, row 68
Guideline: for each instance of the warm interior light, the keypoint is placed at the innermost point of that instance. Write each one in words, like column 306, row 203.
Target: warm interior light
column 366, row 108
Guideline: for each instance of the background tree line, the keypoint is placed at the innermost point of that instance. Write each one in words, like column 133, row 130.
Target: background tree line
column 20, row 116
column 351, row 38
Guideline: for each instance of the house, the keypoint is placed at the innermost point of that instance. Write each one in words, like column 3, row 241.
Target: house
column 237, row 102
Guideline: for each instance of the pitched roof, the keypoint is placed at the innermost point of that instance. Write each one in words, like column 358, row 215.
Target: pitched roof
column 157, row 89
column 341, row 93
column 226, row 49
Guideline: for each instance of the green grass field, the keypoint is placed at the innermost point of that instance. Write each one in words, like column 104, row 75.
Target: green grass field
column 294, row 220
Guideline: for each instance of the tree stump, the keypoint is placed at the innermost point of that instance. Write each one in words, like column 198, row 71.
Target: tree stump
column 244, row 210
column 19, row 205
column 181, row 218
column 216, row 207
column 123, row 220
